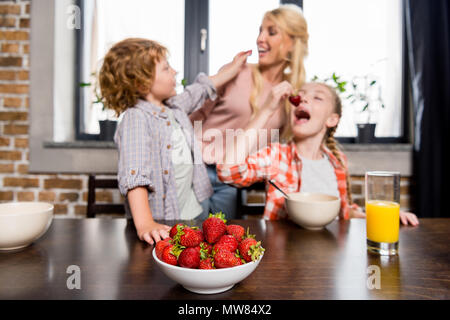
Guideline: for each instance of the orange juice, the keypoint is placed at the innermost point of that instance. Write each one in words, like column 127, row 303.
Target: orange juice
column 383, row 221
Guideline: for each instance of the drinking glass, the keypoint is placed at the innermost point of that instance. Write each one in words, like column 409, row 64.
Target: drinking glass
column 382, row 211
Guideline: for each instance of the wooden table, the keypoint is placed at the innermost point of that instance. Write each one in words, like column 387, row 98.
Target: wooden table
column 298, row 264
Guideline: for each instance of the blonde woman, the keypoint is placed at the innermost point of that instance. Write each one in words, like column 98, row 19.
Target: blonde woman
column 282, row 46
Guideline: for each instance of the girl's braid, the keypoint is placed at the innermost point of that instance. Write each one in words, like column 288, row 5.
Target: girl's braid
column 332, row 145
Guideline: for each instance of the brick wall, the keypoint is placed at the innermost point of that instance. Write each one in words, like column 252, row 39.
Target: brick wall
column 67, row 192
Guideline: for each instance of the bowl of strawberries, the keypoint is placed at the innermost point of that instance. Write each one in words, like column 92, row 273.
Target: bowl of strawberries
column 208, row 260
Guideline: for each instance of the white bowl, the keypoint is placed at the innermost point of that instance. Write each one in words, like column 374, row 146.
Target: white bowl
column 207, row 281
column 22, row 223
column 312, row 211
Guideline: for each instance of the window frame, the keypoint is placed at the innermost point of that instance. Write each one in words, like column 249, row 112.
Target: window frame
column 80, row 133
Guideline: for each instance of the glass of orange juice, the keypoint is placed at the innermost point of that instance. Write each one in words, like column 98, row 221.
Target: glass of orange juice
column 382, row 211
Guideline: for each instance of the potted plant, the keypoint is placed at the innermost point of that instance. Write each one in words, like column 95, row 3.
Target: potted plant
column 365, row 94
column 107, row 122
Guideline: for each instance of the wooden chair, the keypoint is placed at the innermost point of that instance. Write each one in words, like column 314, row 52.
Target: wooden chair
column 246, row 209
column 92, row 208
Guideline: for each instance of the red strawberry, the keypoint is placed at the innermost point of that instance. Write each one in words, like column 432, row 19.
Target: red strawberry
column 200, row 235
column 214, row 227
column 226, row 259
column 250, row 249
column 227, row 242
column 170, row 254
column 295, row 100
column 236, row 231
column 189, row 237
column 160, row 245
column 206, row 264
column 174, row 230
column 206, row 247
column 189, row 258
column 205, row 250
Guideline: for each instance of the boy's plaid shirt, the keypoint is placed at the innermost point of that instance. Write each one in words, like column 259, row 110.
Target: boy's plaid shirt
column 281, row 163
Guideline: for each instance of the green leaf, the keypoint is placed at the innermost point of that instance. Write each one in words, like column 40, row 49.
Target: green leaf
column 184, row 82
column 85, row 84
column 219, row 215
column 365, row 107
column 373, row 82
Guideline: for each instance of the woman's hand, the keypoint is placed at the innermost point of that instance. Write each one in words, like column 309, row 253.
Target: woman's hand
column 277, row 96
column 153, row 232
column 230, row 70
column 409, row 218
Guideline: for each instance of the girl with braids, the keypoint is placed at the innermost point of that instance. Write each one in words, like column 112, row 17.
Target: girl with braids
column 310, row 161
column 282, row 46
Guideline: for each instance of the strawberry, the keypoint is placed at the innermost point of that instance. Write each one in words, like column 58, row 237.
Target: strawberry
column 189, row 258
column 170, row 254
column 206, row 264
column 214, row 227
column 189, row 237
column 236, row 231
column 205, row 249
column 295, row 99
column 160, row 245
column 226, row 259
column 200, row 235
column 226, row 242
column 250, row 249
column 174, row 230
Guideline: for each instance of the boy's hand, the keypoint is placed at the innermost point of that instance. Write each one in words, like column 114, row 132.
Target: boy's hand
column 409, row 218
column 230, row 70
column 153, row 232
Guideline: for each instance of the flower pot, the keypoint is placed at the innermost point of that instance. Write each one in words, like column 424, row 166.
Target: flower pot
column 107, row 129
column 366, row 133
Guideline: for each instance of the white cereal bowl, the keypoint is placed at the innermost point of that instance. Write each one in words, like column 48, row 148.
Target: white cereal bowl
column 22, row 223
column 207, row 281
column 312, row 211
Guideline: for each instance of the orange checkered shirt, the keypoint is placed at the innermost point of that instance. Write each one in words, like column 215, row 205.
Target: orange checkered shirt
column 281, row 163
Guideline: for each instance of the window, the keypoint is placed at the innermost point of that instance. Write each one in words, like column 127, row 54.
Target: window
column 355, row 38
column 352, row 38
column 107, row 22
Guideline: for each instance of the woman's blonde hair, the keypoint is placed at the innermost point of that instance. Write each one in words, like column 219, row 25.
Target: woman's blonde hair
column 290, row 20
column 128, row 72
